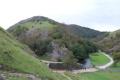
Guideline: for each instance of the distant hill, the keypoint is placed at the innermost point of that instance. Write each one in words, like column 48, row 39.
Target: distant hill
column 85, row 32
column 16, row 57
column 111, row 43
column 46, row 36
column 40, row 21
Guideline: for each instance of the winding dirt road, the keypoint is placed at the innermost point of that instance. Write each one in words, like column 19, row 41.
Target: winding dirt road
column 83, row 70
column 86, row 70
column 108, row 64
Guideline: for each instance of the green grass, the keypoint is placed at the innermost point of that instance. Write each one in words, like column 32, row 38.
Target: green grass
column 98, row 59
column 100, row 75
column 118, row 64
column 13, row 55
column 45, row 57
column 112, row 73
column 17, row 78
column 44, row 24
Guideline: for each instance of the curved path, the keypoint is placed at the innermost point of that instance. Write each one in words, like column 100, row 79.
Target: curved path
column 108, row 64
column 86, row 70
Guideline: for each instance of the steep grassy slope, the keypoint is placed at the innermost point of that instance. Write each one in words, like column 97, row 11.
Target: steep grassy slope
column 14, row 57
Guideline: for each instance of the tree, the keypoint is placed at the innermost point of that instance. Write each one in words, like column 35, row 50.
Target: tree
column 19, row 30
column 79, row 52
column 57, row 33
column 41, row 47
column 69, row 60
column 116, row 57
column 90, row 47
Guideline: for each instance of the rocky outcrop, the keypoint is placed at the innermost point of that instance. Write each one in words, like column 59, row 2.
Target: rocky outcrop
column 58, row 51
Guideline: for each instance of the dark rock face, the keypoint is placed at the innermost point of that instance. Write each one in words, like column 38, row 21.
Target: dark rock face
column 61, row 66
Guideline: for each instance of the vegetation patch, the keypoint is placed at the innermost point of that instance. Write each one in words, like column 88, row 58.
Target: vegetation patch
column 100, row 75
column 15, row 56
column 98, row 59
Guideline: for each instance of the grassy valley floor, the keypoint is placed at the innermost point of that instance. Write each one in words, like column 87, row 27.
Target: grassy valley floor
column 99, row 59
column 112, row 73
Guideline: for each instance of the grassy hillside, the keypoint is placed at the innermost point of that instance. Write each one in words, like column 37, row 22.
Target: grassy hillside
column 111, row 42
column 14, row 57
column 48, row 37
column 86, row 32
column 45, row 23
column 36, row 22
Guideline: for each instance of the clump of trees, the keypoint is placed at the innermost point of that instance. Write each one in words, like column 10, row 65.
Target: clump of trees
column 81, row 51
column 69, row 60
column 19, row 30
column 41, row 47
column 116, row 57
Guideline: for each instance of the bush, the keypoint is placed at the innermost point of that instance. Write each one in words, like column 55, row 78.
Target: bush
column 57, row 35
column 116, row 57
column 41, row 47
column 69, row 60
column 19, row 30
column 81, row 51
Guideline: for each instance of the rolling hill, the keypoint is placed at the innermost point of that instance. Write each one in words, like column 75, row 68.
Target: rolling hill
column 86, row 32
column 111, row 43
column 48, row 37
column 16, row 57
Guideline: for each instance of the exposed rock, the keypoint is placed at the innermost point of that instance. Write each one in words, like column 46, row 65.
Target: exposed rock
column 58, row 51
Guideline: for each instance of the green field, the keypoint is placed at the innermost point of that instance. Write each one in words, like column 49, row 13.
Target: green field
column 17, row 78
column 40, row 25
column 98, row 59
column 112, row 73
column 101, row 75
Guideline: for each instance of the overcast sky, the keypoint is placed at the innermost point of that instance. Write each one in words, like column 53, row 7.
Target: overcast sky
column 103, row 15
